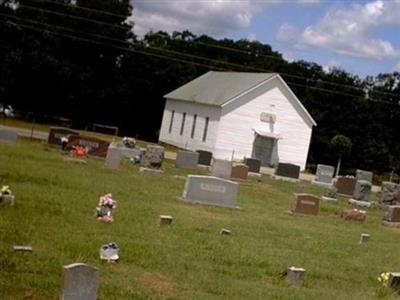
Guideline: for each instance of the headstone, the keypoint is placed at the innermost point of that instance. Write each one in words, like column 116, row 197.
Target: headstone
column 95, row 146
column 253, row 164
column 362, row 190
column 187, row 160
column 153, row 157
column 390, row 193
column 364, row 175
column 330, row 194
column 7, row 199
column 8, row 136
column 165, row 220
column 392, row 216
column 240, row 172
column 353, row 214
column 306, row 204
column 346, row 185
column 299, row 189
column 295, row 275
column 152, row 172
column 80, row 281
column 394, row 281
column 364, row 238
column 285, row 170
column 324, row 174
column 221, row 168
column 57, row 133
column 204, row 157
column 210, row 191
column 113, row 158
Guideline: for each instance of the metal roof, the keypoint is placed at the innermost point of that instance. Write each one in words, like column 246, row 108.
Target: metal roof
column 217, row 88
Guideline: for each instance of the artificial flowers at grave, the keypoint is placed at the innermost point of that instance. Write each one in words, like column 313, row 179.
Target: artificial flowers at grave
column 104, row 210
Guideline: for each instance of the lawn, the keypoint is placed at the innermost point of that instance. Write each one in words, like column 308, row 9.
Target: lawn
column 54, row 213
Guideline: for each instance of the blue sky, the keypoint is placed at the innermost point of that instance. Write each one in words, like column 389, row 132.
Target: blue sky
column 361, row 37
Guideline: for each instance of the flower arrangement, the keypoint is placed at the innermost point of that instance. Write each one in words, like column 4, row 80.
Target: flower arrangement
column 384, row 279
column 6, row 195
column 5, row 190
column 107, row 200
column 106, row 205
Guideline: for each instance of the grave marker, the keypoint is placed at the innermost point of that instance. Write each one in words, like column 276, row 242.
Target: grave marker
column 95, row 146
column 187, row 160
column 346, row 185
column 222, row 168
column 80, row 282
column 324, row 175
column 287, row 171
column 364, row 175
column 253, row 164
column 306, row 204
column 57, row 133
column 240, row 172
column 204, row 157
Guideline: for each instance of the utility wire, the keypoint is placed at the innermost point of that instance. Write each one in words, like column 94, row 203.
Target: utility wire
column 173, row 58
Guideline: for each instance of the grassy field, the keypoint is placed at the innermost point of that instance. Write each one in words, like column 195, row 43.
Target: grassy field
column 54, row 213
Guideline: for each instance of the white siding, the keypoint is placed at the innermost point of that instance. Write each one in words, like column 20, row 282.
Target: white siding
column 191, row 109
column 241, row 116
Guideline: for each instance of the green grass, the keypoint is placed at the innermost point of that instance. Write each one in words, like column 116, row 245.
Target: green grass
column 54, row 213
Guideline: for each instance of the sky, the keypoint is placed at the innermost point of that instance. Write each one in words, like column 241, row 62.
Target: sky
column 361, row 37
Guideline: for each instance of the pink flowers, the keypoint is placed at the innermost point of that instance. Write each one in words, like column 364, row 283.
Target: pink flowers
column 107, row 200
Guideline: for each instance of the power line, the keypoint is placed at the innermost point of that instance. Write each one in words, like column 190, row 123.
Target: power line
column 174, row 58
column 202, row 43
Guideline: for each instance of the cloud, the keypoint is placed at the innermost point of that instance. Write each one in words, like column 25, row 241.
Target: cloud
column 252, row 37
column 330, row 66
column 286, row 32
column 200, row 17
column 349, row 31
column 397, row 67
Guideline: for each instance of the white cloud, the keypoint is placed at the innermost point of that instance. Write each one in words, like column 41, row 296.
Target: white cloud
column 331, row 65
column 288, row 56
column 397, row 67
column 286, row 32
column 252, row 37
column 349, row 31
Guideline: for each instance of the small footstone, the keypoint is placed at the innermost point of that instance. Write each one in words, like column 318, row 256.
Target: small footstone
column 364, row 238
column 295, row 275
column 394, row 281
column 148, row 171
column 225, row 232
column 22, row 248
column 165, row 220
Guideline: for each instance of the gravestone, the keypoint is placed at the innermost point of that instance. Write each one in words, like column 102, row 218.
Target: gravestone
column 390, row 193
column 56, row 133
column 204, row 157
column 80, row 282
column 164, row 220
column 8, row 136
column 210, row 191
column 113, row 158
column 187, row 160
column 95, row 146
column 324, row 174
column 299, row 189
column 346, row 185
column 287, row 171
column 364, row 238
column 221, row 168
column 330, row 194
column 295, row 275
column 306, row 204
column 364, row 175
column 153, row 157
column 392, row 214
column 394, row 281
column 353, row 214
column 240, row 172
column 362, row 190
column 253, row 164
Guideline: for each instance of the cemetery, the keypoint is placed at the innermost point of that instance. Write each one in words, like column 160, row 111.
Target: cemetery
column 155, row 237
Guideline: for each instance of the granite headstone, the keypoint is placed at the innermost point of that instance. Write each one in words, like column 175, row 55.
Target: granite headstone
column 253, row 164
column 221, row 168
column 80, row 282
column 204, row 157
column 324, row 174
column 240, row 172
column 153, row 157
column 364, row 175
column 287, row 170
column 346, row 185
column 187, row 159
column 306, row 204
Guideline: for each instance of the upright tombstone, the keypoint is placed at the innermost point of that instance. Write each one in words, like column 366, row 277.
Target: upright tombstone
column 306, row 204
column 253, row 164
column 361, row 193
column 330, row 194
column 287, row 171
column 8, row 136
column 390, row 193
column 221, row 168
column 204, row 157
column 346, row 185
column 187, row 160
column 392, row 216
column 113, row 158
column 394, row 281
column 240, row 172
column 57, row 133
column 153, row 157
column 210, row 191
column 364, row 175
column 299, row 189
column 80, row 282
column 324, row 175
column 95, row 146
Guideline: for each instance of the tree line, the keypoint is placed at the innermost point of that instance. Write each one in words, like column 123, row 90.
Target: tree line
column 81, row 59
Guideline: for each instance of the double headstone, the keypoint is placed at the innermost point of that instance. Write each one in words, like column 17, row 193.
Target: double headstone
column 253, row 164
column 57, row 133
column 240, row 172
column 204, row 157
column 8, row 136
column 306, row 204
column 361, row 193
column 390, row 193
column 324, row 174
column 210, row 191
column 346, row 185
column 95, row 146
column 222, row 168
column 187, row 160
column 80, row 282
column 287, row 171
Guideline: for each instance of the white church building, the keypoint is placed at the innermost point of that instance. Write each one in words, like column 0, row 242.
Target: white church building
column 238, row 115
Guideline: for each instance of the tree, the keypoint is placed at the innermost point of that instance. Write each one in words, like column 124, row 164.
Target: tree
column 341, row 145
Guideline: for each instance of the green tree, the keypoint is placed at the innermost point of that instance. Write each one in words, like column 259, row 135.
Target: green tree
column 341, row 145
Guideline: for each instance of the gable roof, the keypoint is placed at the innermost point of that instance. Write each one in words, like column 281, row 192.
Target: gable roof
column 217, row 88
